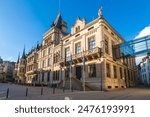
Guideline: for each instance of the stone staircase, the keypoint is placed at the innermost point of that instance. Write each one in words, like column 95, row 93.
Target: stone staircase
column 77, row 85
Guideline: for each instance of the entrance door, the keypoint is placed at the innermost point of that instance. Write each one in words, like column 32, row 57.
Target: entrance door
column 79, row 72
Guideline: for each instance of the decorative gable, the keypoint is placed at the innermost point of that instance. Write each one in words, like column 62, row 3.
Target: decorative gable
column 79, row 25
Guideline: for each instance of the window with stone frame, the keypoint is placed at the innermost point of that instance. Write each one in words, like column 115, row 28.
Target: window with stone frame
column 49, row 50
column 115, row 71
column 77, row 29
column 56, row 57
column 43, row 75
column 108, row 71
column 129, row 76
column 44, row 53
column 106, row 44
column 54, row 75
column 43, row 64
column 125, row 74
column 48, row 75
column 121, row 73
column 57, row 75
column 92, row 70
column 78, row 48
column 91, row 43
column 49, row 62
column 106, row 47
column 67, row 51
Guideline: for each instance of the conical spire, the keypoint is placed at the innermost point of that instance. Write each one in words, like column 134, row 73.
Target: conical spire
column 23, row 54
column 58, row 22
column 18, row 58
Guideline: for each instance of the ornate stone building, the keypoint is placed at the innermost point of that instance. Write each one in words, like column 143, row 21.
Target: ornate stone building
column 95, row 41
column 20, row 68
column 144, row 70
column 32, row 65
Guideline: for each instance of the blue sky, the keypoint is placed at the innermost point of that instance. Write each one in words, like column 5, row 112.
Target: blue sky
column 23, row 22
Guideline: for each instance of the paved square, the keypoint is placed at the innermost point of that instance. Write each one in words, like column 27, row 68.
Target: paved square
column 18, row 92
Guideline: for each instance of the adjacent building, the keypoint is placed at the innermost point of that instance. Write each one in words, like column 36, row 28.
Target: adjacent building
column 1, row 70
column 85, row 57
column 32, row 65
column 6, row 70
column 144, row 70
column 9, row 70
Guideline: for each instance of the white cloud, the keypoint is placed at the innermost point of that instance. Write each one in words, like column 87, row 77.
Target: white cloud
column 139, row 59
column 144, row 32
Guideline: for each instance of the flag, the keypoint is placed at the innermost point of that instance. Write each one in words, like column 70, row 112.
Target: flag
column 65, row 59
column 71, row 62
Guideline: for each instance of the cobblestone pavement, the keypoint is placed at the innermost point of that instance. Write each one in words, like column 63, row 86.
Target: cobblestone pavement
column 18, row 92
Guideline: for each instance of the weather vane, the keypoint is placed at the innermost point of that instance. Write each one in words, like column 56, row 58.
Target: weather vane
column 59, row 5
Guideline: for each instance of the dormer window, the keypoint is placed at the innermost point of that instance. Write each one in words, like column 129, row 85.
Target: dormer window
column 77, row 29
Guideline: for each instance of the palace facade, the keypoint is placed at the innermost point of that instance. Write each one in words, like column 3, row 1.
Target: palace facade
column 49, row 63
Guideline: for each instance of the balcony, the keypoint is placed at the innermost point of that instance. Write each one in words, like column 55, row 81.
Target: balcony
column 77, row 58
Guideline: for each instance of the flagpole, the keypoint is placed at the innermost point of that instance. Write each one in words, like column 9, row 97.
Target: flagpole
column 64, row 81
column 70, row 79
column 71, row 62
column 83, row 80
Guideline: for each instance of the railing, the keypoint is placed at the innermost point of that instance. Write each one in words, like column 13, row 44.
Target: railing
column 92, row 51
column 79, row 55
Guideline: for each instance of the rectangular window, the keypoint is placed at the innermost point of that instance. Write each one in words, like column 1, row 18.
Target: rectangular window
column 78, row 48
column 106, row 47
column 49, row 63
column 57, row 78
column 43, row 64
column 125, row 74
column 43, row 53
column 67, row 52
column 48, row 76
column 43, row 76
column 121, row 75
column 129, row 76
column 92, row 43
column 92, row 70
column 54, row 75
column 49, row 50
column 115, row 72
column 108, row 70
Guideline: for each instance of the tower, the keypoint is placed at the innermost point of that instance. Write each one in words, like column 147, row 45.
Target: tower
column 21, row 67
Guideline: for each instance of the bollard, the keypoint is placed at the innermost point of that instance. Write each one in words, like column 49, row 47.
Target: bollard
column 67, row 98
column 63, row 89
column 26, row 92
column 42, row 91
column 7, row 94
column 53, row 90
